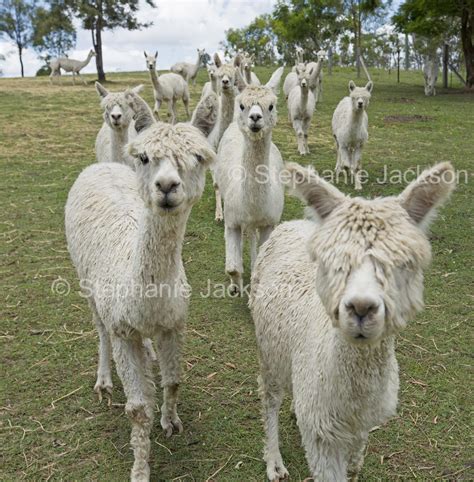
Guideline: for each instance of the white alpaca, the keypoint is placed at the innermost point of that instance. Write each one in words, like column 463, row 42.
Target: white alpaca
column 246, row 64
column 167, row 88
column 69, row 65
column 430, row 72
column 327, row 299
column 125, row 232
column 118, row 126
column 189, row 71
column 212, row 84
column 317, row 83
column 247, row 174
column 349, row 128
column 301, row 104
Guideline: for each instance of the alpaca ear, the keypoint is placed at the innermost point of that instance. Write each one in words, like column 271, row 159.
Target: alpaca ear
column 144, row 53
column 156, row 54
column 137, row 89
column 319, row 194
column 352, row 86
column 240, row 82
column 217, row 60
column 369, row 86
column 101, row 90
column 237, row 60
column 429, row 191
column 274, row 82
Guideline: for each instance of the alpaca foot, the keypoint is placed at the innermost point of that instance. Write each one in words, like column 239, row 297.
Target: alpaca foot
column 236, row 285
column 171, row 423
column 219, row 217
column 104, row 382
column 276, row 470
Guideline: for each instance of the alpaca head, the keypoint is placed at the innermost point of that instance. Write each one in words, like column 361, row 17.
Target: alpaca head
column 370, row 254
column 360, row 96
column 201, row 52
column 91, row 53
column 322, row 55
column 171, row 162
column 257, row 106
column 151, row 60
column 248, row 62
column 225, row 74
column 304, row 77
column 116, row 106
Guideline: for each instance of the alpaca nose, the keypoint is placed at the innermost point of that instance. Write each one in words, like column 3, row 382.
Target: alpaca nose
column 116, row 117
column 362, row 306
column 225, row 81
column 361, row 104
column 167, row 187
column 255, row 116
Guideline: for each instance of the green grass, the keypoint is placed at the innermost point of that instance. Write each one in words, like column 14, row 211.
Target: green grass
column 49, row 346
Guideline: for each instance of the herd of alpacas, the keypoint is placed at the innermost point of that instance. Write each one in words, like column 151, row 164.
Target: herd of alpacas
column 329, row 293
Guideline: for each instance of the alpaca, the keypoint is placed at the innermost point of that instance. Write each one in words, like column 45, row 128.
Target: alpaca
column 226, row 77
column 189, row 71
column 69, row 65
column 318, row 85
column 118, row 126
column 247, row 173
column 430, row 72
column 349, row 128
column 328, row 297
column 211, row 85
column 247, row 63
column 125, row 232
column 168, row 88
column 301, row 104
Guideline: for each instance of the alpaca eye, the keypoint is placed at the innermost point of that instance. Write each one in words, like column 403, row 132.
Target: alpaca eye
column 144, row 158
column 199, row 158
column 271, row 107
column 242, row 107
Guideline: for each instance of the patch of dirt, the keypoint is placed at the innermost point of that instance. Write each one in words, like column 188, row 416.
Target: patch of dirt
column 407, row 118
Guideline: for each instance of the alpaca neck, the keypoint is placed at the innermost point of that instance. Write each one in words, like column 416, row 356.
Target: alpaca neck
column 118, row 140
column 256, row 153
column 197, row 64
column 154, row 79
column 159, row 244
column 85, row 62
column 248, row 76
column 357, row 116
column 304, row 98
column 226, row 110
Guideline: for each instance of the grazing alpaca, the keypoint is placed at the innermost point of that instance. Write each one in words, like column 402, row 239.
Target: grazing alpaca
column 189, row 71
column 125, row 232
column 301, row 104
column 69, row 65
column 118, row 126
column 247, row 173
column 167, row 88
column 328, row 298
column 430, row 72
column 349, row 128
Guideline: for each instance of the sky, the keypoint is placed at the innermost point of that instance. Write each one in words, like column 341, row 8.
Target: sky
column 179, row 28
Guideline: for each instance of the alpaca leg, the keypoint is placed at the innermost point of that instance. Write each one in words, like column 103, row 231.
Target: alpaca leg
column 306, row 124
column 172, row 111
column 73, row 78
column 264, row 234
column 272, row 397
column 326, row 462
column 253, row 247
column 186, row 106
column 169, row 356
column 82, row 78
column 356, row 459
column 104, row 372
column 233, row 257
column 135, row 371
column 219, row 213
column 355, row 167
column 156, row 109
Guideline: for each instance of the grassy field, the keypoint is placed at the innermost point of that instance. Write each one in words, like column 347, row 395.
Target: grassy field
column 53, row 427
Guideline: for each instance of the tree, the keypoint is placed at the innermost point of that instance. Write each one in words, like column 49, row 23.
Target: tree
column 16, row 24
column 441, row 19
column 100, row 15
column 53, row 31
column 257, row 39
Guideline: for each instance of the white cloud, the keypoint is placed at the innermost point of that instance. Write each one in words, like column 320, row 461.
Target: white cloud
column 179, row 27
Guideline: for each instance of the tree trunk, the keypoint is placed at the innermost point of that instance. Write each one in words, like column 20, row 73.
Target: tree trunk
column 330, row 60
column 445, row 65
column 407, row 53
column 467, row 45
column 20, row 55
column 99, row 62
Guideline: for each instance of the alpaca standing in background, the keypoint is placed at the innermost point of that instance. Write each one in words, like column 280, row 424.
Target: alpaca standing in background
column 69, row 65
column 118, row 126
column 247, row 173
column 125, row 232
column 350, row 129
column 189, row 71
column 167, row 88
column 328, row 297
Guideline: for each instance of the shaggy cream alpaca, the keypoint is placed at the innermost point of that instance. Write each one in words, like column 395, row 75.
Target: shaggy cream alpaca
column 247, row 173
column 328, row 298
column 125, row 232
